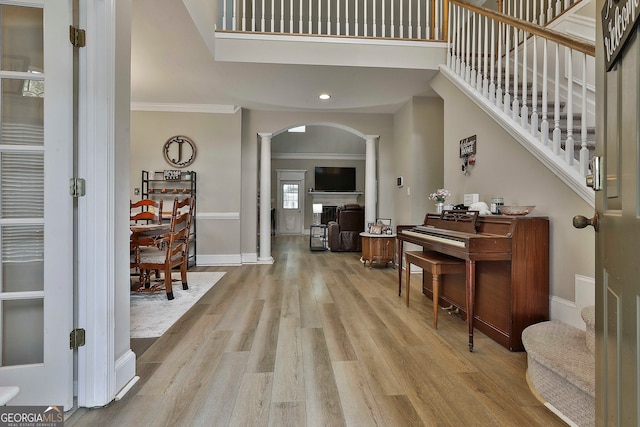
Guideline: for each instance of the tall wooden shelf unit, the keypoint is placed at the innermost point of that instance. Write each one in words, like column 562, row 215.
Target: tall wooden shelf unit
column 167, row 185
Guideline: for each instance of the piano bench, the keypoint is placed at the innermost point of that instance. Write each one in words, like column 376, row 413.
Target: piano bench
column 436, row 264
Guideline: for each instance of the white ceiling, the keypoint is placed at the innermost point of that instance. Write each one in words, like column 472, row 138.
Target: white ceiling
column 172, row 63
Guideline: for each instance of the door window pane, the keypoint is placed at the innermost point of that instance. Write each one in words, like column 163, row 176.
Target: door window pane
column 22, row 332
column 22, row 258
column 290, row 196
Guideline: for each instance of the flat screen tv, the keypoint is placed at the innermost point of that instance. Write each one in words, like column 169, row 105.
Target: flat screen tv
column 335, row 179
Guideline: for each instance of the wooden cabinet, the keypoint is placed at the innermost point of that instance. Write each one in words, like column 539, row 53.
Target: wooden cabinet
column 167, row 185
column 379, row 248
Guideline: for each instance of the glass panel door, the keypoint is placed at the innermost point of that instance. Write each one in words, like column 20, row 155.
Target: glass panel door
column 36, row 217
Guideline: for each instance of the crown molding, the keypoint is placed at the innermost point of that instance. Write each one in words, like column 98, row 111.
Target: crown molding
column 317, row 156
column 185, row 108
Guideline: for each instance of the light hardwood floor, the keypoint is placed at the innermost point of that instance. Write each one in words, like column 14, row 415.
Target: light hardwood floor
column 316, row 339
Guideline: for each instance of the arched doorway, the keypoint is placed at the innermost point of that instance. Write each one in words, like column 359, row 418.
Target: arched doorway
column 335, row 129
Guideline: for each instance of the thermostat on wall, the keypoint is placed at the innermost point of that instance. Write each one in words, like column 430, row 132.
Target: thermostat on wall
column 400, row 181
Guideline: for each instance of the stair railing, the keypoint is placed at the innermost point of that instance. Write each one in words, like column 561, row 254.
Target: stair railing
column 539, row 12
column 507, row 62
column 390, row 19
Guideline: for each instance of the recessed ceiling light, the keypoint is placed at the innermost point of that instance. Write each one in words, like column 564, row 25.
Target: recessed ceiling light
column 324, row 96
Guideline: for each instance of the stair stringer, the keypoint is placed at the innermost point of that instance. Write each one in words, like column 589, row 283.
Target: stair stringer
column 555, row 163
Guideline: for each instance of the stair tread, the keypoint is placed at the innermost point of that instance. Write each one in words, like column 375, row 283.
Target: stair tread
column 561, row 348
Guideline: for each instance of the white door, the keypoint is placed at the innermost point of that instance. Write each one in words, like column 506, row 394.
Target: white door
column 290, row 210
column 36, row 210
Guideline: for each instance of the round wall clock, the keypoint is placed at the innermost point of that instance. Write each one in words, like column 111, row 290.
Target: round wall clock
column 179, row 151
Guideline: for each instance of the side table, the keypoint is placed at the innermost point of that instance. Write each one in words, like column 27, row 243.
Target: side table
column 378, row 248
column 318, row 237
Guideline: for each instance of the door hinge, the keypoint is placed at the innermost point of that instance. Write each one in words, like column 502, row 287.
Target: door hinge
column 77, row 187
column 76, row 338
column 77, row 36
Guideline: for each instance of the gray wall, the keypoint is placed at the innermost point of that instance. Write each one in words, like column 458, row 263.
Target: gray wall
column 218, row 168
column 505, row 169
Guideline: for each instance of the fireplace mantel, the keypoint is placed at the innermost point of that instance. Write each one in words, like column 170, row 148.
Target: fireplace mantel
column 335, row 198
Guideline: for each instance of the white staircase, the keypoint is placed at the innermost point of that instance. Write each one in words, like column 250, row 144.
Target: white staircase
column 561, row 367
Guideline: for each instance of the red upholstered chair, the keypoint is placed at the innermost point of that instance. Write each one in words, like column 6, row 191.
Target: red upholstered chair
column 344, row 232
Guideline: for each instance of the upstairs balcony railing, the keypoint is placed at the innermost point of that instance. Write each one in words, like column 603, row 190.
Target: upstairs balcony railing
column 389, row 19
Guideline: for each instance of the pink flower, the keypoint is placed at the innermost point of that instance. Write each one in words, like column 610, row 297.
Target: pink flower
column 440, row 195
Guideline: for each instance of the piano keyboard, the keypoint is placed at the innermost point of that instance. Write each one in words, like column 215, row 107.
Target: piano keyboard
column 449, row 240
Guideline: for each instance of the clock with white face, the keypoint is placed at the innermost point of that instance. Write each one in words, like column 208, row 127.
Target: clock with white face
column 179, row 151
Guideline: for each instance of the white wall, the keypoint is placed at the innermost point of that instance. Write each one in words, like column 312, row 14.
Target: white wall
column 506, row 169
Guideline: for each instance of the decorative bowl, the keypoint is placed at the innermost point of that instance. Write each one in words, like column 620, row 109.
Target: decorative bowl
column 515, row 210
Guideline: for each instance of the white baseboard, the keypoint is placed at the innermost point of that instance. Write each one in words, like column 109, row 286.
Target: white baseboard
column 226, row 259
column 125, row 368
column 569, row 311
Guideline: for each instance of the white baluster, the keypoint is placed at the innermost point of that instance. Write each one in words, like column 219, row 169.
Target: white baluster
column 419, row 16
column 478, row 62
column 474, row 32
column 410, row 35
column 356, row 18
column 338, row 17
column 524, row 110
column 329, row 17
column 544, row 124
column 549, row 11
column 346, row 19
column 507, row 76
column 401, row 18
column 436, row 20
column 300, row 27
column 319, row 17
column 375, row 20
column 450, row 42
column 584, row 150
column 365, row 19
column 534, row 90
column 485, row 54
column 310, row 23
column 515, row 107
column 224, row 15
column 556, row 106
column 290, row 16
column 558, row 7
column 262, row 19
column 568, row 144
column 492, row 80
column 282, row 16
column 459, row 29
column 429, row 19
column 244, row 15
column 384, row 21
column 393, row 24
column 528, row 8
column 499, row 79
column 253, row 16
column 467, row 68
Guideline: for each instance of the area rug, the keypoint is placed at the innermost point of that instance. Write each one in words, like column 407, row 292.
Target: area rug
column 152, row 313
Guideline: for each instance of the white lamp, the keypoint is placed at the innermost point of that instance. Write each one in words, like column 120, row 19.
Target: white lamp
column 317, row 211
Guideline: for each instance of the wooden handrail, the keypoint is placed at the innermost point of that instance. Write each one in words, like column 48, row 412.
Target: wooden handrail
column 574, row 43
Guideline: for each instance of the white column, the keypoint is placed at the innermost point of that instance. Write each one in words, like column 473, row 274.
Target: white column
column 265, row 199
column 370, row 187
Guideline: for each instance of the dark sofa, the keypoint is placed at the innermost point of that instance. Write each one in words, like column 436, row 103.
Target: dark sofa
column 344, row 232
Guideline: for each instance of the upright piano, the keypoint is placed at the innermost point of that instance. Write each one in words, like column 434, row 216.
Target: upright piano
column 506, row 282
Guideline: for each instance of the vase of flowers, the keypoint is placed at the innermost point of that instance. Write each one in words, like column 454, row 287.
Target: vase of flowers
column 440, row 196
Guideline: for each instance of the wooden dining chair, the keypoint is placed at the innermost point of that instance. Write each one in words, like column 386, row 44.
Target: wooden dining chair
column 148, row 210
column 171, row 253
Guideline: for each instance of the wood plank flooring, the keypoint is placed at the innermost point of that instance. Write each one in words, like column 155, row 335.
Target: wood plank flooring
column 317, row 339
